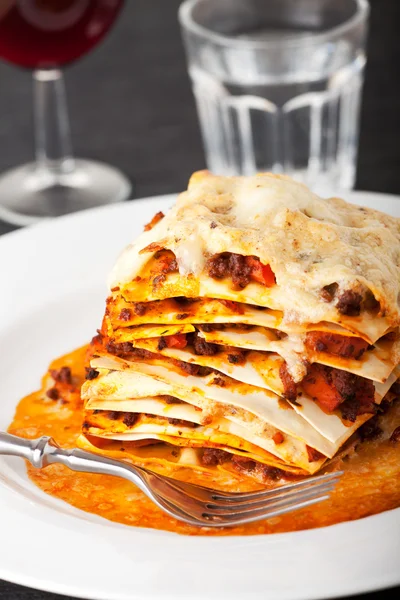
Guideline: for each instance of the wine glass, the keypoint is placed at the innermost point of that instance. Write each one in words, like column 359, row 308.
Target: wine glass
column 44, row 35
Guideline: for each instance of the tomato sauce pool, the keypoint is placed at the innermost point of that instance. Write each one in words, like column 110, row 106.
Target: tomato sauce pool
column 370, row 484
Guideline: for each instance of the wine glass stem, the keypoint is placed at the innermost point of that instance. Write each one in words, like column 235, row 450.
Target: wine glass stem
column 52, row 133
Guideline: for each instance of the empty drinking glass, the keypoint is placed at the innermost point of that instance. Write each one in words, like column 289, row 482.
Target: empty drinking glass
column 278, row 85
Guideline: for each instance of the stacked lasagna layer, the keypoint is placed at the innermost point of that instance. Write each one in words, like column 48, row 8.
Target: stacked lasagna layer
column 253, row 329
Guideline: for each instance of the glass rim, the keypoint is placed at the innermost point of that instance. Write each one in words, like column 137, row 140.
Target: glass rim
column 187, row 22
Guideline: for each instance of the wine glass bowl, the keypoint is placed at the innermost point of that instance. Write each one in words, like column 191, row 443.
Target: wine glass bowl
column 44, row 35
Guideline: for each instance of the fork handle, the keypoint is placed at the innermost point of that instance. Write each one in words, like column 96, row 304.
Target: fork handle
column 44, row 451
column 32, row 450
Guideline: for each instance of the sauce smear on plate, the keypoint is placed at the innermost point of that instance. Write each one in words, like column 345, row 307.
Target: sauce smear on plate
column 371, row 483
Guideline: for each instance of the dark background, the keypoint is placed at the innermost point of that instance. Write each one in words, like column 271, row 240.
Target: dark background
column 131, row 105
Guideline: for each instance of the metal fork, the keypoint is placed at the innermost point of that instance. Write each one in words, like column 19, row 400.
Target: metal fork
column 193, row 504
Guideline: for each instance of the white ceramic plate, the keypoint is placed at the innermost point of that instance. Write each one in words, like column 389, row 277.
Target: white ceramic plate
column 51, row 301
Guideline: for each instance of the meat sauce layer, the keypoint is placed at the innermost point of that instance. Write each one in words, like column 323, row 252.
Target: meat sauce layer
column 242, row 270
column 371, row 481
column 331, row 388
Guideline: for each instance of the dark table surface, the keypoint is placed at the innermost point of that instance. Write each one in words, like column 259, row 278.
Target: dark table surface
column 131, row 105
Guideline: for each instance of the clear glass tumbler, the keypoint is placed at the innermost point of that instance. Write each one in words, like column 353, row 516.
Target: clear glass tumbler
column 278, row 85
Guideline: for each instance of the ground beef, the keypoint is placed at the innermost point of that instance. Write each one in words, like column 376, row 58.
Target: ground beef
column 97, row 340
column 345, row 383
column 209, row 327
column 159, row 279
column 240, row 270
column 167, row 262
column 91, row 373
column 333, row 388
column 253, row 467
column 219, row 381
column 140, row 353
column 126, row 349
column 329, row 292
column 53, row 393
column 218, row 266
column 130, row 419
column 172, row 267
column 182, row 316
column 140, row 308
column 125, row 314
column 244, row 327
column 365, row 394
column 213, row 456
column 236, row 357
column 192, row 369
column 162, row 343
column 203, row 348
column 370, row 430
column 121, row 350
column 180, row 422
column 242, row 463
column 204, row 371
column 349, row 303
column 320, row 346
column 289, row 386
column 114, row 415
column 281, row 335
column 63, row 375
column 189, row 368
column 358, row 394
column 228, row 264
column 269, row 473
column 172, row 400
column 349, row 410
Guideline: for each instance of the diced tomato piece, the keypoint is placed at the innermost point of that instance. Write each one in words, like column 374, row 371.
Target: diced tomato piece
column 261, row 273
column 176, row 341
column 333, row 343
column 318, row 387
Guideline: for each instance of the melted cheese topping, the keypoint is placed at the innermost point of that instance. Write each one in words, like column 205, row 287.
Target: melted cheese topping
column 309, row 242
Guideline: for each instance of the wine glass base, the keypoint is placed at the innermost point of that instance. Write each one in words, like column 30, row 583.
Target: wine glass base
column 29, row 194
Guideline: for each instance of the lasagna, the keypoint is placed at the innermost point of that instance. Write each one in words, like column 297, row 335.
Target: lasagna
column 254, row 329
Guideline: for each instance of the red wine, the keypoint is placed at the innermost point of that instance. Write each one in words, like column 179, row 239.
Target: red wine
column 43, row 34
